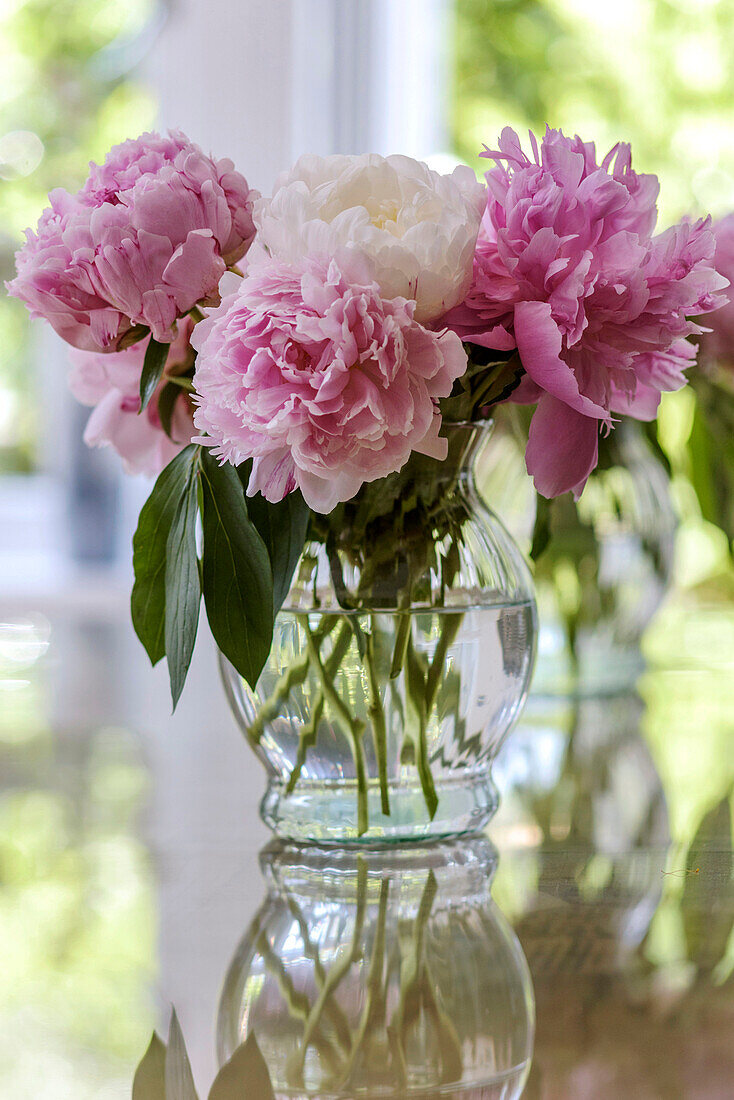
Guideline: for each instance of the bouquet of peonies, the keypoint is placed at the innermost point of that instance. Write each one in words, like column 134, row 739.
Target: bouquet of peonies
column 276, row 362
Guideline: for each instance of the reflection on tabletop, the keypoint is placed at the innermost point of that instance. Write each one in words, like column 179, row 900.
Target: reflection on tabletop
column 126, row 886
column 388, row 971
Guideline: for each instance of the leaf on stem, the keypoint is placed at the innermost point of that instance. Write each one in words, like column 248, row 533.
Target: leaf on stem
column 237, row 575
column 150, row 1076
column 166, row 404
column 245, row 1076
column 153, row 364
column 282, row 527
column 183, row 585
column 148, row 601
column 541, row 530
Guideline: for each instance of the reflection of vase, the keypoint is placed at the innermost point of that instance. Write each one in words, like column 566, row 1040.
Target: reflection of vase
column 606, row 566
column 399, row 663
column 382, row 973
column 581, row 774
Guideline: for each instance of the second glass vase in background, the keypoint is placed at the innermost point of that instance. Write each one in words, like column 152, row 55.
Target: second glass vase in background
column 401, row 658
column 607, row 560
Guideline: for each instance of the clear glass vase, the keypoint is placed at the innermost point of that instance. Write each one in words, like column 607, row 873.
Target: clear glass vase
column 383, row 973
column 400, row 660
column 607, row 563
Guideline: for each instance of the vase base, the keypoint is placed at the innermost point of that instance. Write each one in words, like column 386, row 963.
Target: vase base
column 326, row 813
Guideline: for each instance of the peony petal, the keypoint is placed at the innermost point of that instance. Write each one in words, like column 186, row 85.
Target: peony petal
column 563, row 448
column 432, row 444
column 539, row 346
column 642, row 405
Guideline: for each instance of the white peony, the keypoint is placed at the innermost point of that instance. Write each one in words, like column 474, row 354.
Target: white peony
column 417, row 227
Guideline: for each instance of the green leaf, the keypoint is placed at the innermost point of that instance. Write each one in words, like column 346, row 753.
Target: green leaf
column 166, row 405
column 150, row 1076
column 183, row 585
column 541, row 530
column 179, row 1078
column 153, row 364
column 148, row 602
column 237, row 576
column 282, row 527
column 245, row 1076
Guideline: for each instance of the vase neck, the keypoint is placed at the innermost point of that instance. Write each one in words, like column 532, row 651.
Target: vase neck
column 465, row 440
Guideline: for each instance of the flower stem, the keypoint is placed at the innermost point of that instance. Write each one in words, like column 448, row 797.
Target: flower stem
column 449, row 629
column 416, row 694
column 401, row 645
column 182, row 381
column 377, row 717
column 309, row 731
column 294, row 675
column 354, row 726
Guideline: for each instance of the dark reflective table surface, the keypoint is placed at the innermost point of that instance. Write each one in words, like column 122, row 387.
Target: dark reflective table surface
column 582, row 948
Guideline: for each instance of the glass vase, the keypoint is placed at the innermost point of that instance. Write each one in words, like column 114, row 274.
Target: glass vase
column 400, row 660
column 607, row 563
column 382, row 972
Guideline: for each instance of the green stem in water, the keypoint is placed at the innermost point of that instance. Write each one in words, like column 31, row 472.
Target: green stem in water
column 401, row 645
column 294, row 675
column 377, row 718
column 449, row 629
column 354, row 727
column 306, row 739
column 416, row 695
column 308, row 734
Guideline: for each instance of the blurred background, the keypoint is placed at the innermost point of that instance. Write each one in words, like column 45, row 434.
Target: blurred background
column 108, row 818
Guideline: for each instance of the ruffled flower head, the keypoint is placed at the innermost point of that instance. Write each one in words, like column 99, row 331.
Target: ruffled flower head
column 566, row 271
column 147, row 237
column 417, row 227
column 308, row 370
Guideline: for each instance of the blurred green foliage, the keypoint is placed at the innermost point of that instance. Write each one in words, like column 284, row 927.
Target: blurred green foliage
column 656, row 73
column 65, row 99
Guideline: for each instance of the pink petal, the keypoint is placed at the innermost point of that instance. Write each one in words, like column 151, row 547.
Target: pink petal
column 643, row 405
column 563, row 448
column 539, row 345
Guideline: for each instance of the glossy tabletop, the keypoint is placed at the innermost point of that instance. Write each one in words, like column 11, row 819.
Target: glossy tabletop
column 583, row 948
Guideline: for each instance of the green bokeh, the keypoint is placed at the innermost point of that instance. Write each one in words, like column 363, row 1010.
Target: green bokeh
column 64, row 84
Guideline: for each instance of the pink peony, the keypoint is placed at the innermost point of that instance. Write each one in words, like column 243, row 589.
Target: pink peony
column 326, row 385
column 717, row 346
column 566, row 271
column 147, row 237
column 111, row 383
